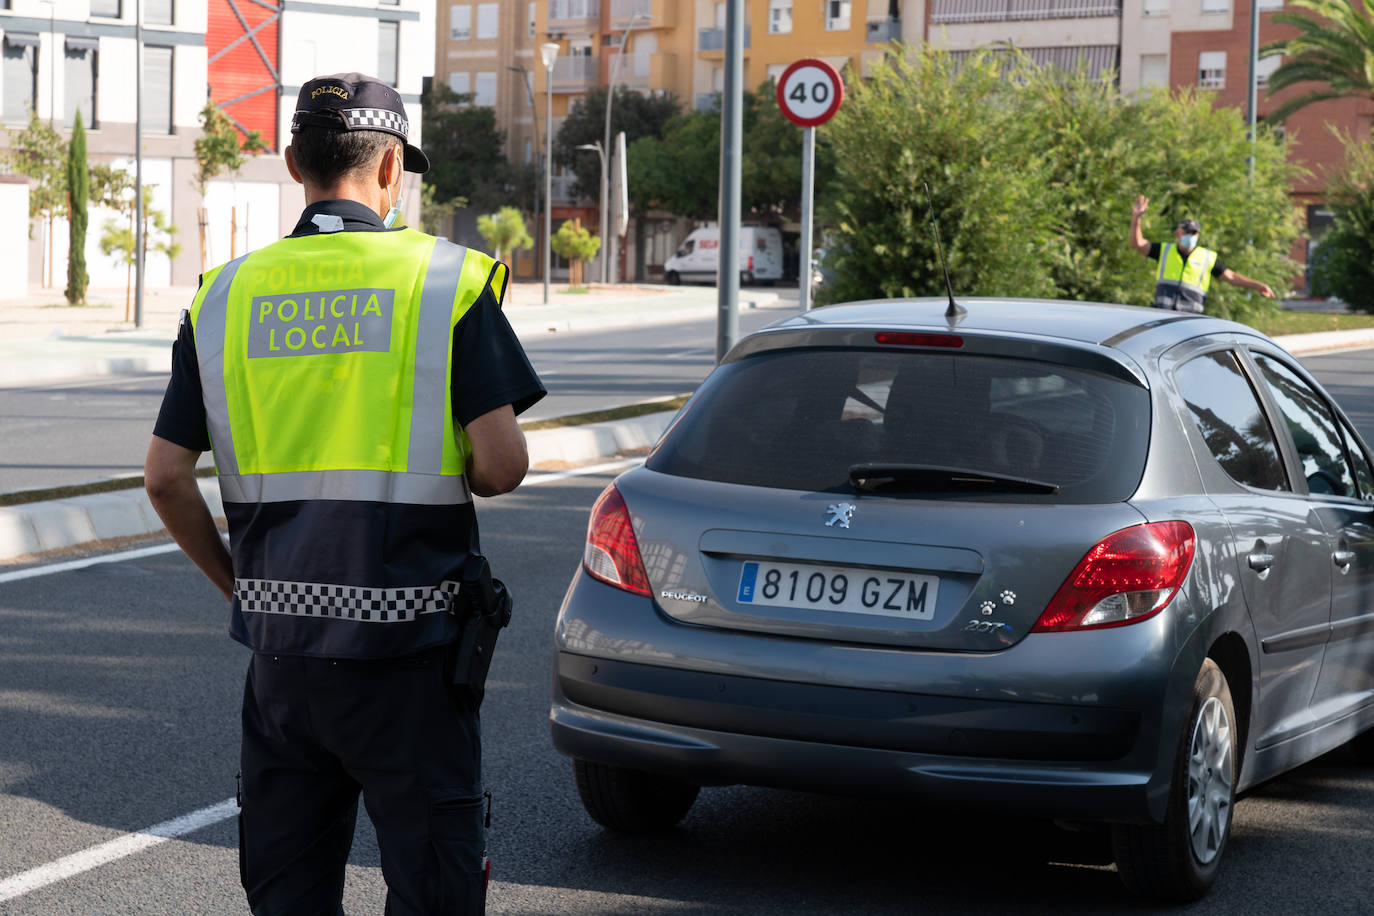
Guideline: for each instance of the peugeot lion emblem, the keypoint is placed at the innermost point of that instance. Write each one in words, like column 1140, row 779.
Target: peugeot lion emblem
column 840, row 514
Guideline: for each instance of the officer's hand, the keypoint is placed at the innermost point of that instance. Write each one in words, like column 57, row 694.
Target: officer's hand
column 1265, row 291
column 1142, row 203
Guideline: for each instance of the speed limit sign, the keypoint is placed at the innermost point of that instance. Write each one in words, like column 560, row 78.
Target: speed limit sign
column 810, row 92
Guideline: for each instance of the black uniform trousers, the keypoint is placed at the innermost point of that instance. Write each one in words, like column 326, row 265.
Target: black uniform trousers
column 316, row 733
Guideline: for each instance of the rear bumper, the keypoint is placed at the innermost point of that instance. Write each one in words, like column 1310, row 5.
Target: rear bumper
column 719, row 757
column 1062, row 726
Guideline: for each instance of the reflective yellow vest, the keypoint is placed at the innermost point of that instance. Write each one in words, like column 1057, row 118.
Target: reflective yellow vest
column 325, row 363
column 1180, row 284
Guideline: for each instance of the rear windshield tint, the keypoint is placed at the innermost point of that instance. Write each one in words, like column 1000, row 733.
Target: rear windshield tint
column 799, row 419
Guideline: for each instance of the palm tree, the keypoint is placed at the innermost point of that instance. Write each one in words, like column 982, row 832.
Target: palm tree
column 1333, row 48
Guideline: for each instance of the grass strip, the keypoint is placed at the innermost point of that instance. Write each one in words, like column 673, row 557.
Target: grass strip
column 1285, row 322
column 605, row 416
column 82, row 489
column 135, row 482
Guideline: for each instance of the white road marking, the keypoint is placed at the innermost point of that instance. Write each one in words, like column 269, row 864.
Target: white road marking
column 118, row 848
column 35, row 571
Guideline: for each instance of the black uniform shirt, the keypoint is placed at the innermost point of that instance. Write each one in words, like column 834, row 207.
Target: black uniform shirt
column 490, row 367
column 1218, row 268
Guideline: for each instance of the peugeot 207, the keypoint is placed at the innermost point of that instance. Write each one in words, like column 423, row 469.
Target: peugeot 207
column 1089, row 562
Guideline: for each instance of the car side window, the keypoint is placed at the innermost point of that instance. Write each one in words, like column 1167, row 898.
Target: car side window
column 1364, row 474
column 1313, row 428
column 1232, row 423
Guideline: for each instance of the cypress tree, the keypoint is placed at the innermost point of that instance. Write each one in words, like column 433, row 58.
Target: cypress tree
column 79, row 192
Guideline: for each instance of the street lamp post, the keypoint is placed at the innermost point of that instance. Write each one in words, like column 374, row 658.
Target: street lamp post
column 534, row 117
column 607, row 266
column 548, row 53
column 601, row 153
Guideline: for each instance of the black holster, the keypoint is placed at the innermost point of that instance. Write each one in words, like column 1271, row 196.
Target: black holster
column 483, row 608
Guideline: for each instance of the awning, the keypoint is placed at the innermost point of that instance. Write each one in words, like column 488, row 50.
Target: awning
column 21, row 39
column 82, row 43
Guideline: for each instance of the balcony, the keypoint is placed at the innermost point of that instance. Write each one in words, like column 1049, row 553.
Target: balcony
column 642, row 70
column 958, row 12
column 881, row 31
column 714, row 39
column 575, row 74
column 574, row 14
column 654, row 14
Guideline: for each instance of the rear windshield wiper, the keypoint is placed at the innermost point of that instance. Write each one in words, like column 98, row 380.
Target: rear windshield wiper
column 935, row 478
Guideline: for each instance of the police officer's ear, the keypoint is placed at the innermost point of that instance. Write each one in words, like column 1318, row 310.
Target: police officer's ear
column 392, row 167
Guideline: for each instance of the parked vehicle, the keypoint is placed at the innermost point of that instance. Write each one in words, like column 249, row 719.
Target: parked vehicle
column 698, row 257
column 1089, row 562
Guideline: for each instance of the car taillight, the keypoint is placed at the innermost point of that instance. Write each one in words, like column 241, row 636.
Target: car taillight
column 1127, row 577
column 751, row 262
column 612, row 553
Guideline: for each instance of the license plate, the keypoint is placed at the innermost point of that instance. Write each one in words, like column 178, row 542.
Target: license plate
column 839, row 588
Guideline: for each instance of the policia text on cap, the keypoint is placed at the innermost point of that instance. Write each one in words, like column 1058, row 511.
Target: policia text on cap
column 357, row 382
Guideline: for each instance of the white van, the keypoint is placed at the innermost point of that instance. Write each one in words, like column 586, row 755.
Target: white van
column 698, row 258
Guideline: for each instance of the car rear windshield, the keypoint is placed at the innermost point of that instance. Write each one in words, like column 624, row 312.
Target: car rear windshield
column 802, row 419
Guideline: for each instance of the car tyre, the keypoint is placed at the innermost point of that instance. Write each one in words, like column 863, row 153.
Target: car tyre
column 672, row 278
column 1179, row 859
column 632, row 801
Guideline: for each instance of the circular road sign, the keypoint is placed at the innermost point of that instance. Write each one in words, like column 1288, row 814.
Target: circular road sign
column 810, row 92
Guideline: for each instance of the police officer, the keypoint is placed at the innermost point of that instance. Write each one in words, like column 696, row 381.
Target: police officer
column 1185, row 270
column 358, row 383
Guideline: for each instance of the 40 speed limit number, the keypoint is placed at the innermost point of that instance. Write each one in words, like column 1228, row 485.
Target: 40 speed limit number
column 810, row 92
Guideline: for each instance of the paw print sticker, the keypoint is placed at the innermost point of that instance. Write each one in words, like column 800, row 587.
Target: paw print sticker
column 1008, row 597
column 986, row 608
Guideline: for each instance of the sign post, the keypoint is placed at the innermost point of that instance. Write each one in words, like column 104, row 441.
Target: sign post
column 809, row 93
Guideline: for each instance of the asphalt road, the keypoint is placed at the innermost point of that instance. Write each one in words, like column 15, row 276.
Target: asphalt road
column 80, row 430
column 119, row 694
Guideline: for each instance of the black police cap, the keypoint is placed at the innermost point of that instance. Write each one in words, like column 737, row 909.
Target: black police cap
column 353, row 101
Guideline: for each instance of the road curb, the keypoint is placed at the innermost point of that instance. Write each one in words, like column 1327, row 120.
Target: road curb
column 34, row 528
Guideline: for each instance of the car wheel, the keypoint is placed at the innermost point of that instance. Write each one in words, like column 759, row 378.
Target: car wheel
column 672, row 278
column 1179, row 859
column 632, row 801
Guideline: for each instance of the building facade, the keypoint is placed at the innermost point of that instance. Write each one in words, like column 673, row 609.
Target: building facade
column 249, row 58
column 61, row 56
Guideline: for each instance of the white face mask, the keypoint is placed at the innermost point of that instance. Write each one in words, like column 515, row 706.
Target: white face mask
column 393, row 212
column 1188, row 241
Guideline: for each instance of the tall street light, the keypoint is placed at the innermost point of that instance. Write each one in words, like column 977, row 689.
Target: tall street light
column 534, row 117
column 548, row 53
column 607, row 269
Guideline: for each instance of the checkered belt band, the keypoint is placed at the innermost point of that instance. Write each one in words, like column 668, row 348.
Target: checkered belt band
column 342, row 602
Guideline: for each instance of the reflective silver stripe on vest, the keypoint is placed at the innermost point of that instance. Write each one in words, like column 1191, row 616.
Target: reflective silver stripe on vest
column 430, row 401
column 359, row 486
column 342, row 602
column 209, row 334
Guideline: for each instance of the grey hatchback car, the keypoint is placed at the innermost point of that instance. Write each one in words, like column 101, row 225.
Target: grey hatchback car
column 1090, row 562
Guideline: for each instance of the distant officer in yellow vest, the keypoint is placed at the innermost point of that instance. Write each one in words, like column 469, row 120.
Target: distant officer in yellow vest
column 1185, row 270
column 358, row 382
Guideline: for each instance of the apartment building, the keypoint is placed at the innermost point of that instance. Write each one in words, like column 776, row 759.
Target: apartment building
column 65, row 55
column 260, row 54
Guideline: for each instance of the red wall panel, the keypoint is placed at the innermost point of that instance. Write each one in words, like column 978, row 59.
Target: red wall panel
column 242, row 70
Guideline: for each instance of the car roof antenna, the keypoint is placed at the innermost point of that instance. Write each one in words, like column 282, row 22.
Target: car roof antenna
column 955, row 313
